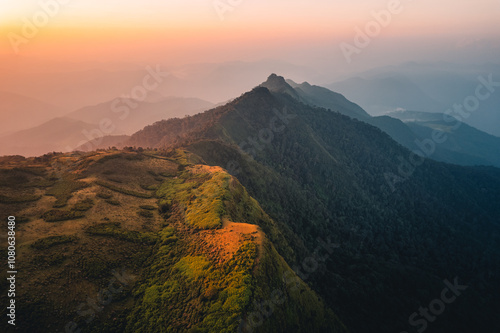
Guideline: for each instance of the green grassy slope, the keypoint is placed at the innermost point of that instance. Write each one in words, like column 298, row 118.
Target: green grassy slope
column 128, row 241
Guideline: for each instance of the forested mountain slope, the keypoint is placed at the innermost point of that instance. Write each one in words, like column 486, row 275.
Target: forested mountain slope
column 402, row 228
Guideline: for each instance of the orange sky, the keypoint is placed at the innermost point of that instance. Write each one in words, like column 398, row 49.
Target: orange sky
column 192, row 30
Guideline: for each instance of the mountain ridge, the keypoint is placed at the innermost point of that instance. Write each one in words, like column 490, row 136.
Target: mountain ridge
column 322, row 97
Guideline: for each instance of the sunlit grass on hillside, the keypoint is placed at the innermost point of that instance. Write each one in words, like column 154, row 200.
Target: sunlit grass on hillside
column 192, row 288
column 193, row 267
column 202, row 196
column 206, row 206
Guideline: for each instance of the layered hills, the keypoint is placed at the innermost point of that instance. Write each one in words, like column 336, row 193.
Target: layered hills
column 462, row 144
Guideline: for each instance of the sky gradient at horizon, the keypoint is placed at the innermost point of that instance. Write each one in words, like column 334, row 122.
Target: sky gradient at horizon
column 179, row 30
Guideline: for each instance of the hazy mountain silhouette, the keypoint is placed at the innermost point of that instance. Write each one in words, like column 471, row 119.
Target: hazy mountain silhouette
column 129, row 115
column 464, row 145
column 467, row 146
column 380, row 95
column 22, row 112
column 429, row 87
column 58, row 134
column 115, row 118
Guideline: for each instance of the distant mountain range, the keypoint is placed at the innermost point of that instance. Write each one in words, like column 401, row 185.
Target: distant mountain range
column 380, row 95
column 429, row 87
column 20, row 112
column 129, row 115
column 117, row 118
column 464, row 146
column 123, row 116
column 58, row 134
